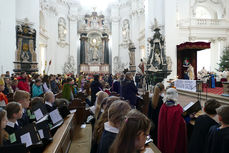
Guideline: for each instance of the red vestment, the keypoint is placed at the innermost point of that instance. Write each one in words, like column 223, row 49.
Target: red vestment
column 171, row 130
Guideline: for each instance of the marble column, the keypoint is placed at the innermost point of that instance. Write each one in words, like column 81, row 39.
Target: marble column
column 73, row 37
column 132, row 65
column 115, row 31
column 135, row 29
column 171, row 35
column 83, row 38
column 106, row 48
column 8, row 35
column 214, row 54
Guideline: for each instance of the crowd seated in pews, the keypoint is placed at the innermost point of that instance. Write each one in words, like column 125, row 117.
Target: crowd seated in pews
column 121, row 118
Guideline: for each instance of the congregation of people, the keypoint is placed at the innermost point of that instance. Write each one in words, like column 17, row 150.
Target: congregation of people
column 213, row 79
column 118, row 125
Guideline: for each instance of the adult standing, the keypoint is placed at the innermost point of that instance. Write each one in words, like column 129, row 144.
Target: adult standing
column 96, row 86
column 23, row 83
column 129, row 90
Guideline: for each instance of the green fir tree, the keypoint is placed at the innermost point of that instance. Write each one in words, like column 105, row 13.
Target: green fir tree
column 224, row 60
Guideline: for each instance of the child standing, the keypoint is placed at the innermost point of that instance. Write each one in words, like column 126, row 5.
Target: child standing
column 116, row 115
column 133, row 134
column 218, row 136
column 202, row 125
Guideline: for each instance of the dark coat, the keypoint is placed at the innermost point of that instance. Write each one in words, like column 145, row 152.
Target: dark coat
column 200, row 133
column 106, row 141
column 218, row 140
column 11, row 130
column 154, row 115
column 49, row 108
column 95, row 87
column 129, row 91
column 54, row 87
column 116, row 87
column 24, row 120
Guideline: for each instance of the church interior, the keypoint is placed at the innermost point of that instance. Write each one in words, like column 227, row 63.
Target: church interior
column 114, row 76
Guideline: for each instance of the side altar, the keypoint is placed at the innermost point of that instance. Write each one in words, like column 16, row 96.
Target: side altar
column 25, row 55
column 94, row 44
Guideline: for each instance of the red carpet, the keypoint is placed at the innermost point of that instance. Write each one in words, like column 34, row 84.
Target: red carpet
column 216, row 90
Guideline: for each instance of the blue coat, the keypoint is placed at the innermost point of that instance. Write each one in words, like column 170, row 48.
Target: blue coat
column 36, row 91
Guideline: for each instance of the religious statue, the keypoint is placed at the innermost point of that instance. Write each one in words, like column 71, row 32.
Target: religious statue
column 169, row 63
column 142, row 66
column 62, row 31
column 25, row 53
column 126, row 30
column 191, row 73
column 94, row 45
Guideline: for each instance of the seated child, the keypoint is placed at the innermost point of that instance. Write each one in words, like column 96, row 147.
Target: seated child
column 37, row 88
column 133, row 134
column 3, row 122
column 202, row 125
column 49, row 99
column 218, row 136
column 14, row 112
column 23, row 97
column 117, row 113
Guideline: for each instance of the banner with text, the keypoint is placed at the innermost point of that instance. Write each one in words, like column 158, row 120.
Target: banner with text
column 188, row 85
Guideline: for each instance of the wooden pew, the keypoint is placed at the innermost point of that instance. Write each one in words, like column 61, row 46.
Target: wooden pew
column 146, row 103
column 59, row 95
column 143, row 103
column 63, row 136
column 114, row 94
column 81, row 113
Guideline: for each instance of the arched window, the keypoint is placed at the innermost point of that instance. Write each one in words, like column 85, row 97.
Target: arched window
column 202, row 13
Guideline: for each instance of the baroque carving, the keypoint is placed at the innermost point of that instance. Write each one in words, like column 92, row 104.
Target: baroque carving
column 49, row 6
column 118, row 65
column 62, row 32
column 157, row 58
column 126, row 31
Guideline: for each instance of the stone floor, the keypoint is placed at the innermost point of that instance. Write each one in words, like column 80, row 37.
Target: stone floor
column 184, row 100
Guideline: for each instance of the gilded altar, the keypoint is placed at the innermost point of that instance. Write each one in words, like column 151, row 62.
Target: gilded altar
column 25, row 55
column 94, row 46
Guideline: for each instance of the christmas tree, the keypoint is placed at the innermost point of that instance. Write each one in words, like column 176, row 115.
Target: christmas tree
column 224, row 60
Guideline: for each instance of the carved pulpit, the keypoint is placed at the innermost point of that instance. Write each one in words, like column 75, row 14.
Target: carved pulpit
column 158, row 65
column 25, row 58
column 94, row 49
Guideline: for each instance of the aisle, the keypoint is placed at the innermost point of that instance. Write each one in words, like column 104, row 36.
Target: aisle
column 82, row 140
